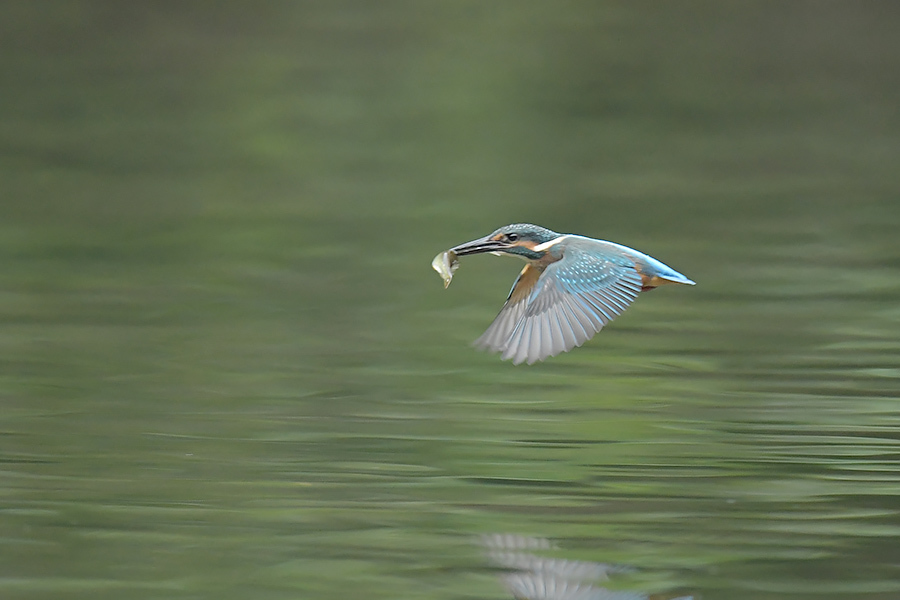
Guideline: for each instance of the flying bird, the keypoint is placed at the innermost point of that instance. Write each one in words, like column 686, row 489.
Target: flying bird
column 570, row 289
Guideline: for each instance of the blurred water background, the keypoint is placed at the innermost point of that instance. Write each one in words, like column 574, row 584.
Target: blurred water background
column 227, row 369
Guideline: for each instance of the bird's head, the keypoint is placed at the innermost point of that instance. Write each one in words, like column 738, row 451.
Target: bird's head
column 520, row 240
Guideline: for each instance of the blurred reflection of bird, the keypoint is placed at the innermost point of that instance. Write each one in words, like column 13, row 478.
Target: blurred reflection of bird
column 530, row 576
column 571, row 287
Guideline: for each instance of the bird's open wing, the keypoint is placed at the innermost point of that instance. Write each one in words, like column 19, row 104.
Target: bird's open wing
column 496, row 335
column 563, row 306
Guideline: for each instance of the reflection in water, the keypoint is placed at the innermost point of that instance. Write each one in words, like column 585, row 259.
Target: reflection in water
column 534, row 577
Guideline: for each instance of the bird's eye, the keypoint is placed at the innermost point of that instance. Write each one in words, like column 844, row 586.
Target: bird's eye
column 512, row 237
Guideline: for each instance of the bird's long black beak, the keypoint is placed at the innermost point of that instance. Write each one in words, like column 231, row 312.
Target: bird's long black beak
column 485, row 244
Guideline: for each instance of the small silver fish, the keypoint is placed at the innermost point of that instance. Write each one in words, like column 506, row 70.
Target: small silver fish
column 445, row 264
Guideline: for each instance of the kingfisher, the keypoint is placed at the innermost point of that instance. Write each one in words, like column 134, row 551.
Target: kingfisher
column 570, row 289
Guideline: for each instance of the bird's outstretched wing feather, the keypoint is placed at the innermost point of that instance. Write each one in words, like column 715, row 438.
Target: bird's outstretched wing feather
column 563, row 306
column 499, row 331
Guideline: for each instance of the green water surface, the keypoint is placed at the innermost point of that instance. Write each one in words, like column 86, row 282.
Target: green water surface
column 227, row 369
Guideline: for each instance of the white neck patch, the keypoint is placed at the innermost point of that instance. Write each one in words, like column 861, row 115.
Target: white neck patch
column 550, row 244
